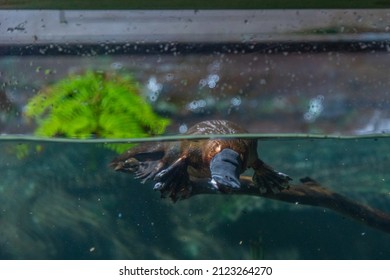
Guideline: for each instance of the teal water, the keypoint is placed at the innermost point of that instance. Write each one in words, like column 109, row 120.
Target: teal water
column 59, row 200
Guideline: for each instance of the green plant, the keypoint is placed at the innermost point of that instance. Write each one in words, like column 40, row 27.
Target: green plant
column 95, row 104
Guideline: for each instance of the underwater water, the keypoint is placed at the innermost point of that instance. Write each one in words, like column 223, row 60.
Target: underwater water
column 60, row 200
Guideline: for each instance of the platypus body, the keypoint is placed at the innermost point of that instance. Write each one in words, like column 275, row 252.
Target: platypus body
column 172, row 164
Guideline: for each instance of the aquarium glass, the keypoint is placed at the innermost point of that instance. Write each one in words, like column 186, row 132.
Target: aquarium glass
column 311, row 87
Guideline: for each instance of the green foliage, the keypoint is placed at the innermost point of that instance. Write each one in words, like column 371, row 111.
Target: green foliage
column 95, row 104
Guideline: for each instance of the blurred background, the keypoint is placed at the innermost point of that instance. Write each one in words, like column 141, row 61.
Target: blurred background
column 310, row 71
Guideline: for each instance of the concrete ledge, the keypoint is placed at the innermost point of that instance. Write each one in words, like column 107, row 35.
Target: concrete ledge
column 21, row 27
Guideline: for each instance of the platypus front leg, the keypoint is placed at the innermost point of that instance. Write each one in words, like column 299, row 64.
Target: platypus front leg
column 174, row 180
column 269, row 180
column 145, row 161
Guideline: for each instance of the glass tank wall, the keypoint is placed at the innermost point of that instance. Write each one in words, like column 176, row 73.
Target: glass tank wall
column 322, row 72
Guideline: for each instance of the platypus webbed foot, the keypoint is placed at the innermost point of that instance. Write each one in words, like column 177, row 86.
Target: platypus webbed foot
column 148, row 170
column 144, row 161
column 174, row 181
column 269, row 180
column 225, row 170
column 144, row 170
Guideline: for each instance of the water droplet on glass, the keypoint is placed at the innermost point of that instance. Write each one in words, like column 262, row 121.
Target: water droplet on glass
column 183, row 128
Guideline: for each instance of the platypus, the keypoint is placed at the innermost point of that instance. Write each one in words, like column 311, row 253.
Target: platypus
column 172, row 164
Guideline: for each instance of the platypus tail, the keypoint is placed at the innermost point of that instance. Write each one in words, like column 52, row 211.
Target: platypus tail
column 269, row 180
